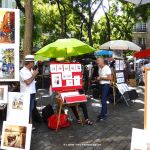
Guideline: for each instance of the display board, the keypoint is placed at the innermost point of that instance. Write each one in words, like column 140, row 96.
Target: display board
column 147, row 101
column 119, row 67
column 122, row 88
column 9, row 44
column 66, row 76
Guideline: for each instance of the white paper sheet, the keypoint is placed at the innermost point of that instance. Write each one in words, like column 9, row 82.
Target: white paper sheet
column 76, row 80
column 56, row 80
column 66, row 75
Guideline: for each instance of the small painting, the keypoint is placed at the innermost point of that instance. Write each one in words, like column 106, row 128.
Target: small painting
column 56, row 80
column 16, row 136
column 3, row 94
column 18, row 106
column 9, row 26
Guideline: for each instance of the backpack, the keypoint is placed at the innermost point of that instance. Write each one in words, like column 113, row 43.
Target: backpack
column 47, row 112
column 64, row 122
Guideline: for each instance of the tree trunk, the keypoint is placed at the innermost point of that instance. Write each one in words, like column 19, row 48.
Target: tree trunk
column 62, row 19
column 27, row 44
column 108, row 35
column 90, row 34
column 89, row 26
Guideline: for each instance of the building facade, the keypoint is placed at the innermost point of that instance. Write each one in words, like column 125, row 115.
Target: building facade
column 7, row 4
column 141, row 34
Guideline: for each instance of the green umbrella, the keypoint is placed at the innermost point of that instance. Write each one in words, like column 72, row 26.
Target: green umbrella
column 65, row 48
column 41, row 58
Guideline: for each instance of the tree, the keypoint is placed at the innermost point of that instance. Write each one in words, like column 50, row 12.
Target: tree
column 28, row 11
column 118, row 21
column 27, row 44
column 84, row 8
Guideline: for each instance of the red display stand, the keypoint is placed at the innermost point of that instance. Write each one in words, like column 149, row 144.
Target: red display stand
column 66, row 79
column 66, row 76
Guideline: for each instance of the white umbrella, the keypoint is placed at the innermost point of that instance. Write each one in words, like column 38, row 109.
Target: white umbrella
column 120, row 45
column 139, row 2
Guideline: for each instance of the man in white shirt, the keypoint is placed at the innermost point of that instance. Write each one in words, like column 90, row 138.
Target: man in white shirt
column 27, row 81
column 104, row 81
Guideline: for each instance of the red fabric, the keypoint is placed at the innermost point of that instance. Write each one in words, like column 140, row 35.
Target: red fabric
column 76, row 99
column 64, row 122
column 64, row 87
column 142, row 54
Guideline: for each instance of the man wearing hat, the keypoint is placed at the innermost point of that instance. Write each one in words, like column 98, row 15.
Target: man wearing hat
column 27, row 80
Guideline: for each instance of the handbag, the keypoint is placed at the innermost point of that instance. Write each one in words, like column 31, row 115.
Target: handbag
column 53, row 120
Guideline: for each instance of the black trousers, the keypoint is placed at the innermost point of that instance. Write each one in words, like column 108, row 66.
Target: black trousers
column 84, row 109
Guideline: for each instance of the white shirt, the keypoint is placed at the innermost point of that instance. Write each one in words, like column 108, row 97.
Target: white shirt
column 104, row 72
column 25, row 74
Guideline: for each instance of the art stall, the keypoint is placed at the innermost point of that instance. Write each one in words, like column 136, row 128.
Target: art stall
column 16, row 130
column 66, row 80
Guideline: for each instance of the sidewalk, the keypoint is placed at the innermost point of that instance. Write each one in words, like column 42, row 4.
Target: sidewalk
column 111, row 134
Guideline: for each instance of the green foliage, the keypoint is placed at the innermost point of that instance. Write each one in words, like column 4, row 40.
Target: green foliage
column 47, row 20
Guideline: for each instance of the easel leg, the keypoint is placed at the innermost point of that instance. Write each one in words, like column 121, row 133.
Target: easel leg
column 77, row 107
column 59, row 113
column 114, row 94
column 125, row 100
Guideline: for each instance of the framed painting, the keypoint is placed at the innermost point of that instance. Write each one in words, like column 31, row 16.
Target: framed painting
column 18, row 107
column 9, row 63
column 9, row 26
column 3, row 94
column 16, row 136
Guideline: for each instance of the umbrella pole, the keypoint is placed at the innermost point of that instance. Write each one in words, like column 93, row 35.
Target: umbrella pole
column 134, row 64
column 113, row 83
column 114, row 93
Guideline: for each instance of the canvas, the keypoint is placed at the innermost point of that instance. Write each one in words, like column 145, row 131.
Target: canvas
column 9, row 26
column 18, row 107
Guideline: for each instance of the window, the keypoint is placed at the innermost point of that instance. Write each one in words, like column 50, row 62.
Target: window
column 139, row 27
column 143, row 27
column 142, row 42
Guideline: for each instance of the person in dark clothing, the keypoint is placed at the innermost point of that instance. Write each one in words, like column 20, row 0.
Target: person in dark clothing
column 127, row 70
column 85, row 112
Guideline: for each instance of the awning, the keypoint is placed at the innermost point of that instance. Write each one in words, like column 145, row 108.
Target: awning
column 142, row 54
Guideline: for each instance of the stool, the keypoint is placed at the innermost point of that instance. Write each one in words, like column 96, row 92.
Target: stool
column 44, row 96
column 41, row 93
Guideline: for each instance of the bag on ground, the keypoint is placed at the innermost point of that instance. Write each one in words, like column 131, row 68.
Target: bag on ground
column 47, row 112
column 64, row 122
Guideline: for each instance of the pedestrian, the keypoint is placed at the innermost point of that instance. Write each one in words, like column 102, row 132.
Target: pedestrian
column 127, row 69
column 104, row 79
column 27, row 81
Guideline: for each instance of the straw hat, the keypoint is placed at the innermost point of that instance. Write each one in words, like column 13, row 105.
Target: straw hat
column 29, row 58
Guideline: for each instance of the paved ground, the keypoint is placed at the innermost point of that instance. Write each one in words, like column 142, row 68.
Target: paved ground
column 112, row 134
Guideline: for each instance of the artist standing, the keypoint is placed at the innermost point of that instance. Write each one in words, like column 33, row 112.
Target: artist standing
column 104, row 81
column 27, row 80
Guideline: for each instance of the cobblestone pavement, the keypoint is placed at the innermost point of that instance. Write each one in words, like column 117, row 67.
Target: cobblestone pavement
column 111, row 134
